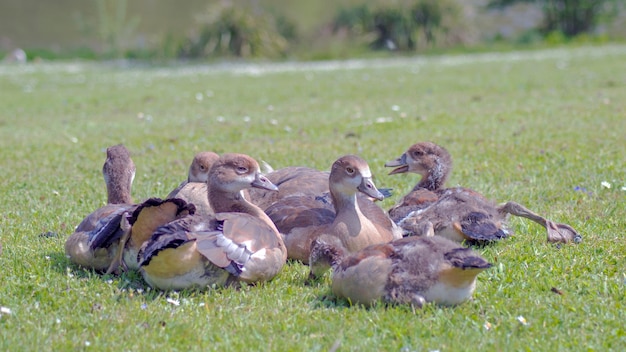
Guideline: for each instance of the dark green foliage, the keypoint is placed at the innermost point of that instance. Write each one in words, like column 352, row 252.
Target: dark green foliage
column 239, row 30
column 405, row 25
column 570, row 17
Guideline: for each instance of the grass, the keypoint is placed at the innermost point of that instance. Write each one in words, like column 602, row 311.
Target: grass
column 526, row 126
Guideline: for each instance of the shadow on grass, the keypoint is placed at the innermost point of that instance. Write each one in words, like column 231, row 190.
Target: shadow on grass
column 129, row 280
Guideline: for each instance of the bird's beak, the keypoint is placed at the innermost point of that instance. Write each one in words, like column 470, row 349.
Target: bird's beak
column 400, row 164
column 260, row 181
column 367, row 187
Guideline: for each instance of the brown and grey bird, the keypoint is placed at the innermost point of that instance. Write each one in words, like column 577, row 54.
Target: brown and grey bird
column 458, row 213
column 302, row 218
column 119, row 228
column 239, row 243
column 194, row 190
column 118, row 172
column 412, row 270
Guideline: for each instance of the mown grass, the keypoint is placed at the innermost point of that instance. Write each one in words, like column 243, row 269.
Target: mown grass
column 529, row 127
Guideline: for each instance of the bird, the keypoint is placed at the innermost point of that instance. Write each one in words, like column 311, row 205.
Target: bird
column 119, row 172
column 299, row 181
column 237, row 244
column 301, row 218
column 434, row 164
column 411, row 270
column 112, row 235
column 194, row 189
column 458, row 213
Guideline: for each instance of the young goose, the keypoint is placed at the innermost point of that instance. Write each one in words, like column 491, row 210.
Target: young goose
column 302, row 218
column 194, row 190
column 434, row 164
column 96, row 241
column 118, row 172
column 457, row 213
column 237, row 243
column 412, row 270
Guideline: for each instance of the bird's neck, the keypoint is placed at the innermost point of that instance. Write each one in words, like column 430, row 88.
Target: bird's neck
column 435, row 179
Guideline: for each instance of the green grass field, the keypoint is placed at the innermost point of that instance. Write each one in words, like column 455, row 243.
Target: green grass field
column 535, row 127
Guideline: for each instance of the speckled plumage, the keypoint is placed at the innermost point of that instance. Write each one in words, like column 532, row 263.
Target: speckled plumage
column 411, row 270
column 458, row 213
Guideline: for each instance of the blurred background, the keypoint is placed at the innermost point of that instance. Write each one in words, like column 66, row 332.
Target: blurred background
column 296, row 30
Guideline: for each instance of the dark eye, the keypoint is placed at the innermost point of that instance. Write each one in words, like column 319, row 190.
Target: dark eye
column 417, row 154
column 242, row 169
column 202, row 167
column 349, row 170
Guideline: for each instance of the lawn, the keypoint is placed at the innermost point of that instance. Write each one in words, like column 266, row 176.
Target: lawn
column 544, row 128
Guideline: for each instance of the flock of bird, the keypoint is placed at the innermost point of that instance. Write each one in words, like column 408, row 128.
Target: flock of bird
column 230, row 224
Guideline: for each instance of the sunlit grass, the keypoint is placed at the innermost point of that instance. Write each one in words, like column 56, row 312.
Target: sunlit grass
column 542, row 128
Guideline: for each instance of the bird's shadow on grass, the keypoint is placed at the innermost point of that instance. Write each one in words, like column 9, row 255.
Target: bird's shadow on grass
column 326, row 299
column 127, row 279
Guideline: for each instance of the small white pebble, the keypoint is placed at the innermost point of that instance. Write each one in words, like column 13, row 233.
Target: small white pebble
column 5, row 310
column 383, row 119
column 74, row 140
column 522, row 320
column 623, row 188
column 395, row 108
column 201, row 304
column 220, row 119
column 58, row 321
column 246, row 119
column 199, row 96
column 173, row 301
column 109, row 281
column 56, row 193
column 605, row 184
column 87, row 343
